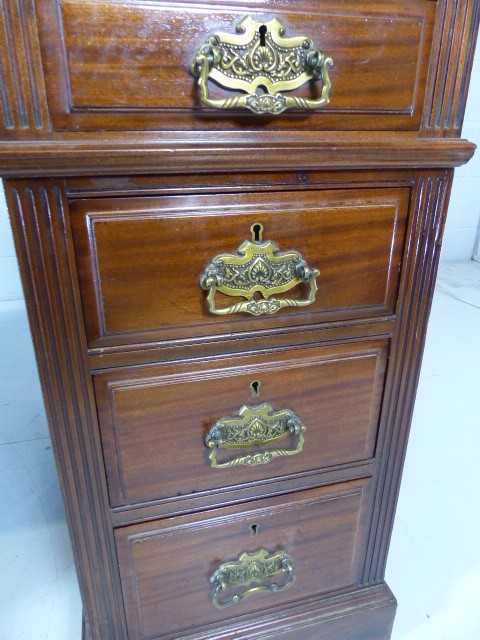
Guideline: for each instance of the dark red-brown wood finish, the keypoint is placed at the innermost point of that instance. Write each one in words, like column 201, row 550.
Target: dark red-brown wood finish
column 122, row 187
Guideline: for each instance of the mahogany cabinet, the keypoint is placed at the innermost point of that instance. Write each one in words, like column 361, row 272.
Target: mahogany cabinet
column 228, row 217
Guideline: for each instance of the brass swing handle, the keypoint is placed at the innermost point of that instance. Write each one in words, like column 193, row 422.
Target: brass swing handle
column 259, row 425
column 252, row 567
column 258, row 268
column 262, row 63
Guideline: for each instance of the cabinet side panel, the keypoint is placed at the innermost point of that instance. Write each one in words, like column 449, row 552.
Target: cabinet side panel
column 40, row 223
column 429, row 207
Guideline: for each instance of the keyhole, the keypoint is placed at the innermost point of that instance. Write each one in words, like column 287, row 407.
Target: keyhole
column 255, row 385
column 254, row 529
column 257, row 231
column 262, row 32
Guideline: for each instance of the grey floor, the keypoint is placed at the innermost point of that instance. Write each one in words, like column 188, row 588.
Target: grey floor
column 434, row 565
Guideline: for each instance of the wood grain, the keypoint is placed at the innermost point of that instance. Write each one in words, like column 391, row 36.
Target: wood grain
column 140, row 260
column 86, row 635
column 157, row 186
column 22, row 91
column 206, row 153
column 114, row 65
column 416, row 293
column 455, row 32
column 39, row 213
column 154, row 445
column 186, row 184
column 366, row 614
column 166, row 565
column 237, row 494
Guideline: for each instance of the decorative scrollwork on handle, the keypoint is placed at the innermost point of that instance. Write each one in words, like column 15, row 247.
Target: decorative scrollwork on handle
column 259, row 425
column 262, row 63
column 258, row 267
column 252, row 567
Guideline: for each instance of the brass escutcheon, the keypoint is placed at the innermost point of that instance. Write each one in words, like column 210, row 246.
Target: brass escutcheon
column 258, row 267
column 259, row 425
column 251, row 567
column 260, row 61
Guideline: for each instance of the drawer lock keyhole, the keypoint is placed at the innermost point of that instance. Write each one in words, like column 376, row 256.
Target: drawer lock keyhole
column 254, row 529
column 255, row 386
column 257, row 232
column 262, row 32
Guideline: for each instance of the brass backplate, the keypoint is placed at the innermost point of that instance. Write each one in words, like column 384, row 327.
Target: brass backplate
column 260, row 61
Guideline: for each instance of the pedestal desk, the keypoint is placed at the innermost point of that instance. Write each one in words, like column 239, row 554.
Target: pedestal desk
column 228, row 217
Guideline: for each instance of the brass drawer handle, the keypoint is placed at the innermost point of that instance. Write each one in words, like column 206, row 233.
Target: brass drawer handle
column 252, row 567
column 261, row 62
column 258, row 267
column 258, row 425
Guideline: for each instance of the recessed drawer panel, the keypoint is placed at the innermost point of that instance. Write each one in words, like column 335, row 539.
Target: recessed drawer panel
column 126, row 65
column 179, row 429
column 187, row 572
column 141, row 261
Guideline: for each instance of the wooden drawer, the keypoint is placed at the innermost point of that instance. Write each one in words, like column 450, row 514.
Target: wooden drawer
column 154, row 419
column 126, row 65
column 166, row 566
column 142, row 216
column 140, row 259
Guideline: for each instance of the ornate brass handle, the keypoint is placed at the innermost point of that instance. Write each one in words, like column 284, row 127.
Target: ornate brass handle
column 258, row 267
column 252, row 567
column 260, row 61
column 258, row 425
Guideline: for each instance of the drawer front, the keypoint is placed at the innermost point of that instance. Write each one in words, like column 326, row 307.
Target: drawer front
column 166, row 566
column 156, row 421
column 140, row 260
column 126, row 65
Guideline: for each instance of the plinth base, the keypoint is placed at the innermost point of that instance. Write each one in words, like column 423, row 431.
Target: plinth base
column 367, row 614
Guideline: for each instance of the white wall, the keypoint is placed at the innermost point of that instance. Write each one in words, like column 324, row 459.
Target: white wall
column 463, row 217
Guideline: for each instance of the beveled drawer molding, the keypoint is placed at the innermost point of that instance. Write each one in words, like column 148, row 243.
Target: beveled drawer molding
column 154, row 445
column 145, row 291
column 27, row 26
column 166, row 565
column 229, row 474
column 154, row 44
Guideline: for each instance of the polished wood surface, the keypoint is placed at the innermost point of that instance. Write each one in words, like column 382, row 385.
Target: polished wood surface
column 35, row 93
column 36, row 36
column 154, row 443
column 165, row 566
column 430, row 199
column 149, row 187
column 44, row 249
column 185, row 152
column 133, row 70
column 140, row 261
column 369, row 616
